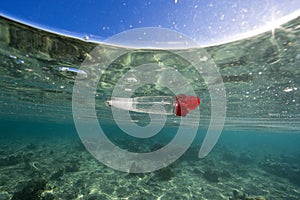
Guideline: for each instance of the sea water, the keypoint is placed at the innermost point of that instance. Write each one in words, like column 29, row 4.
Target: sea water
column 44, row 157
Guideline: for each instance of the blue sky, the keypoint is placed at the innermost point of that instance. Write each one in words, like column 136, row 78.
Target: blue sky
column 205, row 21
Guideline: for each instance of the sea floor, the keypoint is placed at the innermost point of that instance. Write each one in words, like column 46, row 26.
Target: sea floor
column 53, row 165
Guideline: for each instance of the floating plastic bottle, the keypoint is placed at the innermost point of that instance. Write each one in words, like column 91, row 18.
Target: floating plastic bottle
column 179, row 105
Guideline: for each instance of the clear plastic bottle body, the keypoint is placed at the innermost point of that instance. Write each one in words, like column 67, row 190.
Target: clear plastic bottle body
column 154, row 104
column 146, row 104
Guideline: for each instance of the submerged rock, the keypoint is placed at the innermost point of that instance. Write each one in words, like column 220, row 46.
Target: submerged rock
column 238, row 195
column 166, row 173
column 211, row 175
column 214, row 175
column 32, row 190
column 10, row 160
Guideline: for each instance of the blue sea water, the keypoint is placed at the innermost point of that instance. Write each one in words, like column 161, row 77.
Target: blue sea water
column 43, row 156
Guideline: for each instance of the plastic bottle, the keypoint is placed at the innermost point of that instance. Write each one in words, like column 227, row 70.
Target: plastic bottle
column 179, row 105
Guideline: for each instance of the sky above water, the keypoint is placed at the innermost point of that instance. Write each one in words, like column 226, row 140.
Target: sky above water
column 207, row 22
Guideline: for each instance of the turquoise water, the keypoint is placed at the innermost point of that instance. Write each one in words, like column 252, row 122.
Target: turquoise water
column 256, row 157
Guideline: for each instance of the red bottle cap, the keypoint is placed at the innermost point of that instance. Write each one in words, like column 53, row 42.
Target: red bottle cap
column 184, row 104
